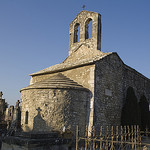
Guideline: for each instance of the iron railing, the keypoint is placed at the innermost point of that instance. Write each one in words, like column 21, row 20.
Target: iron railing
column 114, row 138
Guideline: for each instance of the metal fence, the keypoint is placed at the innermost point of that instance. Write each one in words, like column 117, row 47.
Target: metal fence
column 113, row 138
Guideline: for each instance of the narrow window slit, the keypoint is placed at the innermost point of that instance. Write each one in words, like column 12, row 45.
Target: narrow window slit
column 26, row 117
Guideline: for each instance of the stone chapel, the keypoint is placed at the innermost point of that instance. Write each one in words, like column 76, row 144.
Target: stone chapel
column 89, row 87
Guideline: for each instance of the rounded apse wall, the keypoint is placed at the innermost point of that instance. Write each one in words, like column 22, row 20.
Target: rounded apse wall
column 54, row 109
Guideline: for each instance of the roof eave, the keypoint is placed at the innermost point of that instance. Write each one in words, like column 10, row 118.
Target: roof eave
column 70, row 67
column 62, row 69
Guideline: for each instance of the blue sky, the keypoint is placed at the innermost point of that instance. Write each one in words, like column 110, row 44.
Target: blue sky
column 34, row 34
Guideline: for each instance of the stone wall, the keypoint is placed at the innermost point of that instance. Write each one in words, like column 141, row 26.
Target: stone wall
column 136, row 101
column 112, row 79
column 140, row 84
column 108, row 91
column 61, row 109
column 82, row 75
column 95, row 41
column 34, row 141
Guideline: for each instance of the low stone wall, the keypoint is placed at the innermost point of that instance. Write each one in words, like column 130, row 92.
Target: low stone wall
column 28, row 141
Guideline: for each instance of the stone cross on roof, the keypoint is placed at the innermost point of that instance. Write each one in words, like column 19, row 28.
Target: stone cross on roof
column 39, row 109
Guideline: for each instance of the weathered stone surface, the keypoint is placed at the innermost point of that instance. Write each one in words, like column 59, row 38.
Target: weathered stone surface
column 88, row 88
column 81, row 57
column 105, row 76
column 114, row 76
column 56, row 81
column 81, row 19
column 63, row 104
column 108, row 78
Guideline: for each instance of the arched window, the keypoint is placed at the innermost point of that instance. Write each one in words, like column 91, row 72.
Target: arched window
column 88, row 29
column 26, row 117
column 77, row 33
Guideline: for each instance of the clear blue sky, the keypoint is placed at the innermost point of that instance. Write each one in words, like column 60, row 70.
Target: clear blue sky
column 34, row 34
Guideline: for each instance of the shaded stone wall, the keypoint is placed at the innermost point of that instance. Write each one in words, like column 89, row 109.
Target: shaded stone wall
column 112, row 79
column 59, row 108
column 138, row 106
column 140, row 84
column 108, row 91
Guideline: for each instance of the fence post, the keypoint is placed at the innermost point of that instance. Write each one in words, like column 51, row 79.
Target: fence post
column 146, row 131
column 77, row 134
column 101, row 130
column 117, row 136
column 90, row 146
column 93, row 138
column 135, row 136
column 138, row 138
column 86, row 136
column 112, row 137
column 125, row 133
column 129, row 133
column 121, row 137
column 132, row 136
column 106, row 138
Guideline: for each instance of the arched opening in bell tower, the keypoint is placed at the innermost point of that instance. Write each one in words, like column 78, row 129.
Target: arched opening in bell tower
column 76, row 32
column 88, row 29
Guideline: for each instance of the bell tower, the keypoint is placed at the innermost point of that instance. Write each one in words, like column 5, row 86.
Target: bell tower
column 79, row 31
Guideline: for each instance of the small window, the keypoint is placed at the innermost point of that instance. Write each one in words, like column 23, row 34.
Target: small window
column 26, row 117
column 77, row 33
column 88, row 29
